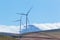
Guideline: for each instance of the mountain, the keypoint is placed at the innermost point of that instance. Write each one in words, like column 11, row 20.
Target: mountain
column 7, row 34
column 14, row 30
column 30, row 28
column 34, row 28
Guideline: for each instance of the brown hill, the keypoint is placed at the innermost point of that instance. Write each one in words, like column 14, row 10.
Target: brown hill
column 6, row 38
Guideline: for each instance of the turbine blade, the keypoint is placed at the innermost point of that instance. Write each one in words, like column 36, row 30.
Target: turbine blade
column 20, row 13
column 29, row 11
column 18, row 20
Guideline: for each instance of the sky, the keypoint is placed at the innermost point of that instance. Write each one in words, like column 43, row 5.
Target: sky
column 45, row 14
column 43, row 11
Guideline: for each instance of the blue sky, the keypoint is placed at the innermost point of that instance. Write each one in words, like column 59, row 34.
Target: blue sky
column 44, row 11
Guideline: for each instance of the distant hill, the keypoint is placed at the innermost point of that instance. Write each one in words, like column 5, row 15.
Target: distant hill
column 31, row 28
column 7, row 34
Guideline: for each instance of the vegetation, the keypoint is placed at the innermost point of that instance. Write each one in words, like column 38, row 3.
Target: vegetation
column 2, row 37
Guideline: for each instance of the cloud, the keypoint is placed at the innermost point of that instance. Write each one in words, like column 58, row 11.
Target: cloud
column 41, row 26
column 10, row 29
column 48, row 26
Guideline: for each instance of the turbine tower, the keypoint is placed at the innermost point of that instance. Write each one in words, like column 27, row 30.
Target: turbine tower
column 20, row 21
column 26, row 15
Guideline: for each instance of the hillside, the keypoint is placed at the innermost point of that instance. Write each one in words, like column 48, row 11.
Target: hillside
column 6, row 38
column 42, row 35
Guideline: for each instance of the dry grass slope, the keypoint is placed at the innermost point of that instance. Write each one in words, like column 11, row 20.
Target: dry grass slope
column 6, row 38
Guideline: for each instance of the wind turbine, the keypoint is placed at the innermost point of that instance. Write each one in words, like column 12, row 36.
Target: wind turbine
column 26, row 15
column 20, row 20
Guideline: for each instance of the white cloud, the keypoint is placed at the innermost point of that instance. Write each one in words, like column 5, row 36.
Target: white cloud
column 10, row 29
column 48, row 26
column 42, row 26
